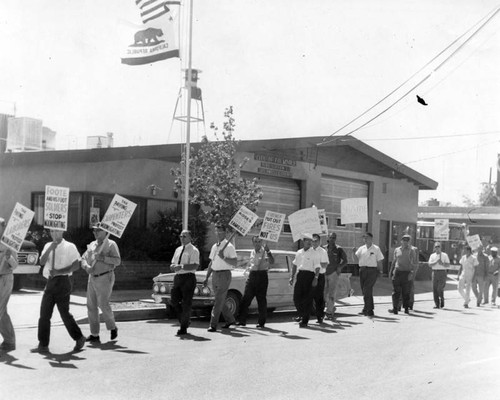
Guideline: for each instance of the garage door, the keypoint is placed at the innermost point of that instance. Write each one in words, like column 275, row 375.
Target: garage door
column 279, row 195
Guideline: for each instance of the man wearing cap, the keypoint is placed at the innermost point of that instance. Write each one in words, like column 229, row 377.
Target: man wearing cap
column 185, row 262
column 439, row 263
column 308, row 263
column 337, row 259
column 8, row 262
column 222, row 260
column 369, row 258
column 401, row 272
column 99, row 261
column 59, row 259
column 468, row 264
column 480, row 274
column 257, row 282
column 319, row 290
column 492, row 277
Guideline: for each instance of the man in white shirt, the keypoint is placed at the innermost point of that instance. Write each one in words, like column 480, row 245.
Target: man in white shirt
column 59, row 259
column 369, row 258
column 468, row 264
column 319, row 290
column 307, row 262
column 185, row 262
column 439, row 263
column 222, row 260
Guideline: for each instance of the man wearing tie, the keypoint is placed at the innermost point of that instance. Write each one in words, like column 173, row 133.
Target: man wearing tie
column 8, row 262
column 99, row 261
column 59, row 259
column 185, row 262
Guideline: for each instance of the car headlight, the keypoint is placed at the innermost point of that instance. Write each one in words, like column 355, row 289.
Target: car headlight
column 205, row 291
column 156, row 288
column 196, row 291
column 31, row 259
column 163, row 289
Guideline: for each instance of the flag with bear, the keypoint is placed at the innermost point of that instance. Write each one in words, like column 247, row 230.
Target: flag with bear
column 156, row 40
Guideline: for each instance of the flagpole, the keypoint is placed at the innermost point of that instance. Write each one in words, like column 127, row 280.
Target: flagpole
column 185, row 214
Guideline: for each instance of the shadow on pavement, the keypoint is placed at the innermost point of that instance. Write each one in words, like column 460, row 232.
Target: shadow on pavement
column 8, row 359
column 62, row 360
column 113, row 346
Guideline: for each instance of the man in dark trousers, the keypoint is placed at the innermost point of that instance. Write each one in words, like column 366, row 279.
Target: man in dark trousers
column 337, row 259
column 59, row 259
column 404, row 264
column 319, row 290
column 307, row 262
column 185, row 262
column 369, row 258
column 257, row 282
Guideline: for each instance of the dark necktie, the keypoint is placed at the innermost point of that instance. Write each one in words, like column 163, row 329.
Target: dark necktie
column 180, row 257
column 54, row 259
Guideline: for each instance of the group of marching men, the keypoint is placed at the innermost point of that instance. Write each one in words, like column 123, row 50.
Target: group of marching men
column 59, row 259
column 314, row 277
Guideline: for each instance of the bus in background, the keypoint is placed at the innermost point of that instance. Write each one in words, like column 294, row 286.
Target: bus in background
column 453, row 246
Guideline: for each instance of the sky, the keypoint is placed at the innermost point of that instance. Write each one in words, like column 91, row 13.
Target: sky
column 288, row 68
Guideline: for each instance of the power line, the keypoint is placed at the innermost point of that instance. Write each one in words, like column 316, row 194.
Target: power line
column 448, row 154
column 493, row 13
column 433, row 137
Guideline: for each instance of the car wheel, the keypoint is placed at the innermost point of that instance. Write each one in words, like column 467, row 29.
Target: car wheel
column 233, row 301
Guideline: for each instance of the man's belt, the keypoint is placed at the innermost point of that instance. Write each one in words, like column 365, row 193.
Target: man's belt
column 104, row 273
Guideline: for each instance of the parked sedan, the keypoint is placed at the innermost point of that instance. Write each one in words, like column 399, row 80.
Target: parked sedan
column 279, row 292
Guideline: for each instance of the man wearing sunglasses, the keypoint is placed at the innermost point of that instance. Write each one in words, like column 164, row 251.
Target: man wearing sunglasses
column 439, row 262
column 185, row 261
column 99, row 261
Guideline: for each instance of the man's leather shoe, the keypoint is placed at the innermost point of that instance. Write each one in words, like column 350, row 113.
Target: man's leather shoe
column 114, row 333
column 320, row 320
column 228, row 325
column 303, row 325
column 181, row 332
column 362, row 312
column 370, row 314
column 93, row 339
column 79, row 344
column 407, row 311
column 241, row 324
column 212, row 329
column 297, row 319
column 260, row 326
column 41, row 349
column 393, row 311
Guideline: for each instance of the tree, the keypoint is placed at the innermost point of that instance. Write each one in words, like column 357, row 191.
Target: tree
column 215, row 183
column 487, row 197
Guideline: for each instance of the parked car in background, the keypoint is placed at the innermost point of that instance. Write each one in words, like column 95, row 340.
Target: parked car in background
column 279, row 292
column 27, row 260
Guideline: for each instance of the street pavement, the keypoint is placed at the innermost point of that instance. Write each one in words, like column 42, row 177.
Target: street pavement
column 451, row 353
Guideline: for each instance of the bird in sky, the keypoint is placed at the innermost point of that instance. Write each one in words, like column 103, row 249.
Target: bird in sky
column 421, row 100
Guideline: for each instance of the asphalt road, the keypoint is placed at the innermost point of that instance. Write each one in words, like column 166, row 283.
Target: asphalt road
column 451, row 353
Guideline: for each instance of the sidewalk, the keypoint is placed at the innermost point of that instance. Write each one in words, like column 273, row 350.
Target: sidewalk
column 130, row 305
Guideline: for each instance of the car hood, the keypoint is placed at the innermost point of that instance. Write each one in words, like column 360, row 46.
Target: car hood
column 200, row 275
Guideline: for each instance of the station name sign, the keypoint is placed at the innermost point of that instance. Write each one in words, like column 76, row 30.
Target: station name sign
column 274, row 165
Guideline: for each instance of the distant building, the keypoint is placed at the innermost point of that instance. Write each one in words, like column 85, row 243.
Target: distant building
column 24, row 134
column 100, row 142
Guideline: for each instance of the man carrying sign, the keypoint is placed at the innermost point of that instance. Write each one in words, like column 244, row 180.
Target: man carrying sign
column 257, row 282
column 8, row 262
column 222, row 260
column 99, row 261
column 59, row 259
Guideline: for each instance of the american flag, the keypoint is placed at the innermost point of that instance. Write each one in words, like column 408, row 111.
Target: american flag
column 152, row 9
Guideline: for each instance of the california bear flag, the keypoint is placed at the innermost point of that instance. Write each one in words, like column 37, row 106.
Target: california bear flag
column 157, row 39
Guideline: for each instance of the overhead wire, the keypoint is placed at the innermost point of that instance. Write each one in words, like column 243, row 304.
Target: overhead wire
column 481, row 24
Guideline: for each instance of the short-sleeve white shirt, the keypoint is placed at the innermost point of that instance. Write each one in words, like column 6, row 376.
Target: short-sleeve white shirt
column 307, row 260
column 190, row 255
column 368, row 257
column 218, row 264
column 323, row 258
column 66, row 254
column 468, row 264
column 434, row 257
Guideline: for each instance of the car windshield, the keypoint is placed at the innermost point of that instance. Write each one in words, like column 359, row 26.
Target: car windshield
column 280, row 261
